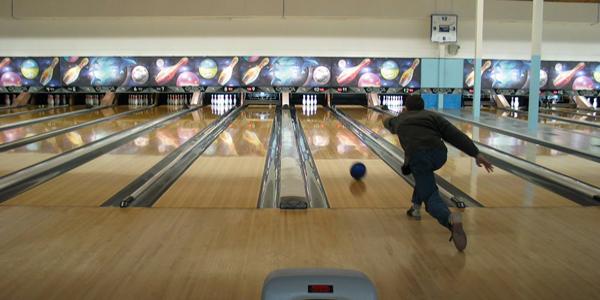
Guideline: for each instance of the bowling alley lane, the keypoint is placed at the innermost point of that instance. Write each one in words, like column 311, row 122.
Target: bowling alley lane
column 109, row 173
column 571, row 165
column 39, row 114
column 583, row 129
column 18, row 133
column 33, row 153
column 229, row 173
column 498, row 189
column 5, row 110
column 575, row 116
column 334, row 149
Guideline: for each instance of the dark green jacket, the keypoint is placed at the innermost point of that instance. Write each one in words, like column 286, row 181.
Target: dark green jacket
column 425, row 130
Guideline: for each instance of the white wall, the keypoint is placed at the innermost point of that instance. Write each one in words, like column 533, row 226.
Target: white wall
column 401, row 30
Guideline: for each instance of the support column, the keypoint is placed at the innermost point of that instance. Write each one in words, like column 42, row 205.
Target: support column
column 477, row 69
column 537, row 24
column 441, row 73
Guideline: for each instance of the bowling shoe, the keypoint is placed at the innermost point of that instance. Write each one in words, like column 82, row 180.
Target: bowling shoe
column 459, row 237
column 414, row 213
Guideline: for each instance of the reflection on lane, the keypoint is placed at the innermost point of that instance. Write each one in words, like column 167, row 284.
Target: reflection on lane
column 39, row 114
column 109, row 173
column 43, row 127
column 229, row 172
column 30, row 154
column 460, row 170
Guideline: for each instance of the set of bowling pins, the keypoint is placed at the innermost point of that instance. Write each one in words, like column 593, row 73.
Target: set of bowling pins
column 309, row 104
column 92, row 100
column 392, row 101
column 138, row 100
column 514, row 103
column 56, row 100
column 221, row 103
column 177, row 99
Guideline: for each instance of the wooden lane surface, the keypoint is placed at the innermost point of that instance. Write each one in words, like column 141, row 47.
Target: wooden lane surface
column 335, row 149
column 229, row 173
column 17, row 109
column 91, row 184
column 30, row 154
column 223, row 254
column 583, row 129
column 498, row 189
column 571, row 165
column 571, row 115
column 40, row 114
column 43, row 127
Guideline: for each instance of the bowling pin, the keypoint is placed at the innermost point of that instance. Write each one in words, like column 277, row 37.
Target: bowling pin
column 5, row 62
column 350, row 74
column 401, row 101
column 565, row 77
column 407, row 76
column 225, row 75
column 595, row 104
column 7, row 100
column 303, row 100
column 50, row 100
column 167, row 74
column 252, row 74
column 73, row 73
column 517, row 103
column 48, row 72
column 512, row 102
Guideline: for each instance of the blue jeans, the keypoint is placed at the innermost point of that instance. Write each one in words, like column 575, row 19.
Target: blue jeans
column 422, row 165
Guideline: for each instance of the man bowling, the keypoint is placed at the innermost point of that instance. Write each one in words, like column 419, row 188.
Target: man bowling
column 422, row 134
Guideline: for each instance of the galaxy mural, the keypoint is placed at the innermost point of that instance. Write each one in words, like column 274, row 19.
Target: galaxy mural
column 104, row 71
column 376, row 72
column 499, row 74
column 29, row 71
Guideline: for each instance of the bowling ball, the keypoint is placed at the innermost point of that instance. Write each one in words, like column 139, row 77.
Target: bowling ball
column 140, row 75
column 369, row 80
column 321, row 75
column 106, row 71
column 188, row 79
column 597, row 73
column 30, row 69
column 288, row 71
column 583, row 83
column 358, row 170
column 10, row 79
column 208, row 69
column 389, row 70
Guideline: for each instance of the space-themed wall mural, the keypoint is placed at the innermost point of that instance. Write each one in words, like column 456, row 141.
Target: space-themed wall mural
column 554, row 75
column 276, row 71
column 376, row 72
column 29, row 71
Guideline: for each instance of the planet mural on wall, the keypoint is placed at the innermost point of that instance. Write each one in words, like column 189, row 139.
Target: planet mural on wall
column 597, row 73
column 107, row 71
column 208, row 69
column 10, row 79
column 288, row 71
column 389, row 70
column 369, row 80
column 140, row 75
column 583, row 83
column 30, row 69
column 321, row 75
column 188, row 79
column 508, row 74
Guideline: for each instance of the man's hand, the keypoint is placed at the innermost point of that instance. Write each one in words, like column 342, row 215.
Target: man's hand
column 482, row 161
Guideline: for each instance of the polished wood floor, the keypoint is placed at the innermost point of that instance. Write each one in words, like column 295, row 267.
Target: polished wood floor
column 111, row 253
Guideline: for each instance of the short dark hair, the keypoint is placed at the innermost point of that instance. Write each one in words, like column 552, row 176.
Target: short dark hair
column 415, row 102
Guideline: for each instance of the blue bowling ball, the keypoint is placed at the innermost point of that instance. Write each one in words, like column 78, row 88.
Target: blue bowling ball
column 358, row 170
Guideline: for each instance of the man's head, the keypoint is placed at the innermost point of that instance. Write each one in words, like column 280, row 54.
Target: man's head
column 414, row 102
